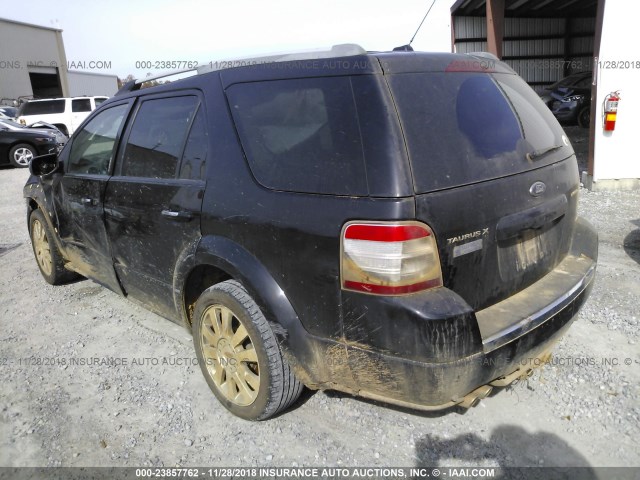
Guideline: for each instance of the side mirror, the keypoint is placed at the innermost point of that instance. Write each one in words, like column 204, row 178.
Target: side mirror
column 45, row 165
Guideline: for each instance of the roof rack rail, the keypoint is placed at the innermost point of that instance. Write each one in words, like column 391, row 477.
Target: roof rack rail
column 140, row 81
column 137, row 83
column 342, row 50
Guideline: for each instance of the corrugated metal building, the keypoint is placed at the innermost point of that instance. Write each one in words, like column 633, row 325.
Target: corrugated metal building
column 33, row 64
column 546, row 40
column 531, row 43
column 92, row 84
column 30, row 61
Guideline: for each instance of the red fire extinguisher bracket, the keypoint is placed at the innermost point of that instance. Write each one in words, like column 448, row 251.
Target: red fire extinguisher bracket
column 610, row 111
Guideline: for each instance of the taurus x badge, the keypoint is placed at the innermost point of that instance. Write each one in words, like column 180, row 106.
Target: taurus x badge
column 537, row 189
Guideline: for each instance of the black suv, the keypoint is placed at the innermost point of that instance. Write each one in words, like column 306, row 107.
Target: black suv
column 400, row 226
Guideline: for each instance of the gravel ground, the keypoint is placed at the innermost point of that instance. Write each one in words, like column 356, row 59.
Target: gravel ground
column 156, row 410
column 580, row 142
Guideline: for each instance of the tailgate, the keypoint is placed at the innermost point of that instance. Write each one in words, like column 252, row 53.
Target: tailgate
column 494, row 175
column 495, row 238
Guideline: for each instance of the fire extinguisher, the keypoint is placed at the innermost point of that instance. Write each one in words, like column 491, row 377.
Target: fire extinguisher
column 611, row 111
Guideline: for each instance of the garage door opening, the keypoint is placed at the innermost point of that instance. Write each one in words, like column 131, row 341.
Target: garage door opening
column 45, row 85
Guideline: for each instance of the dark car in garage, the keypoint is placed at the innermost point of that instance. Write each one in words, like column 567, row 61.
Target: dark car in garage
column 569, row 99
column 575, row 80
column 19, row 144
column 572, row 105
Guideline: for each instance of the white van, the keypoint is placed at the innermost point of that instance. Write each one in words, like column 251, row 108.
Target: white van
column 65, row 113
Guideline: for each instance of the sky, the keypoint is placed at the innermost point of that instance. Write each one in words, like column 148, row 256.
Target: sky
column 132, row 37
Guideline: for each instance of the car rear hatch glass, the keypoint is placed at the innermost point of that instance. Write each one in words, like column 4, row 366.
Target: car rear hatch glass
column 471, row 127
column 494, row 175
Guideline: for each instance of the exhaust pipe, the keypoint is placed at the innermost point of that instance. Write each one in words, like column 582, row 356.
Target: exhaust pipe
column 472, row 399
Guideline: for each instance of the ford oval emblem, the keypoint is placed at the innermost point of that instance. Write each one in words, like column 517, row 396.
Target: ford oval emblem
column 537, row 189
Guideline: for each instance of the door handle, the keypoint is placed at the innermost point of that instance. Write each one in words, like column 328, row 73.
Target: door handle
column 533, row 218
column 182, row 215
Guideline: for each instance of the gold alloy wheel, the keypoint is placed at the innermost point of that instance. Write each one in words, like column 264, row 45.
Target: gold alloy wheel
column 230, row 356
column 41, row 247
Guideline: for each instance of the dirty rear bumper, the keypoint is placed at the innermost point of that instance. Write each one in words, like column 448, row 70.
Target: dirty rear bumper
column 484, row 346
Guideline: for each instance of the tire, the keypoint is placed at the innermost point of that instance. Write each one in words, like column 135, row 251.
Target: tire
column 248, row 375
column 45, row 250
column 584, row 117
column 20, row 155
column 63, row 128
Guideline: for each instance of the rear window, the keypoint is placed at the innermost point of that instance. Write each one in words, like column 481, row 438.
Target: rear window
column 462, row 128
column 301, row 135
column 44, row 107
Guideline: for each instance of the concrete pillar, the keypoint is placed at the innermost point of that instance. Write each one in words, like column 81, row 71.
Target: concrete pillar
column 62, row 69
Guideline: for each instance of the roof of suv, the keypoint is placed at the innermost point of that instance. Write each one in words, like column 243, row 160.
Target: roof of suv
column 345, row 59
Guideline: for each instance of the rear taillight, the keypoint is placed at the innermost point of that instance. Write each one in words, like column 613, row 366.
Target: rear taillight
column 389, row 258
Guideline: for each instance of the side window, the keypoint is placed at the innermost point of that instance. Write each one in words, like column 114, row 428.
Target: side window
column 99, row 100
column 93, row 147
column 301, row 135
column 43, row 107
column 157, row 137
column 584, row 83
column 81, row 105
column 195, row 152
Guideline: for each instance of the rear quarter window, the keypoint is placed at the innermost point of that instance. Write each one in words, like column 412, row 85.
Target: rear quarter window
column 301, row 135
column 81, row 105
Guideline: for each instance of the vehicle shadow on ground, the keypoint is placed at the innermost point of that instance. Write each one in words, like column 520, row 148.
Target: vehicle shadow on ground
column 631, row 242
column 77, row 279
column 508, row 446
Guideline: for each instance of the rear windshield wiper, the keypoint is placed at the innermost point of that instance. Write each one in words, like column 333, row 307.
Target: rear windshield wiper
column 536, row 154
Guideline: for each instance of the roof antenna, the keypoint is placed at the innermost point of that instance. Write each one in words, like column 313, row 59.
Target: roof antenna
column 408, row 47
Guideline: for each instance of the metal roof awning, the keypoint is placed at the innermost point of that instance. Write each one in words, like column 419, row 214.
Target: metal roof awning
column 529, row 8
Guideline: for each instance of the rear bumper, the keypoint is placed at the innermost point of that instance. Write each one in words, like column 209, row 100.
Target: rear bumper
column 498, row 342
